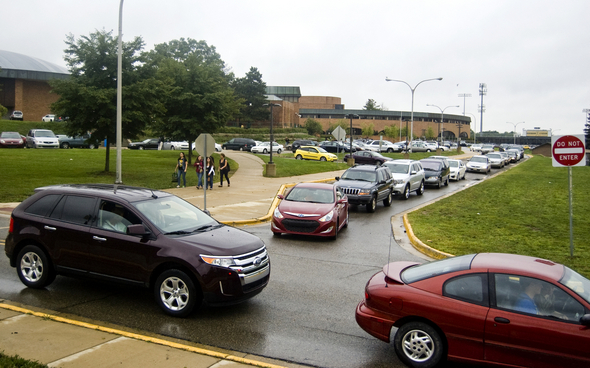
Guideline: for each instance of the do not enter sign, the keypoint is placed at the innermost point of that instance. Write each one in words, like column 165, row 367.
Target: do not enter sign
column 568, row 150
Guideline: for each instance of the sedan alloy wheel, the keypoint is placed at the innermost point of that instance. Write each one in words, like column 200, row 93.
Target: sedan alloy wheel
column 418, row 345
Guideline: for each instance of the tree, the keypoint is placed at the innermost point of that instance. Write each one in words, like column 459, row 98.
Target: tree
column 368, row 130
column 372, row 105
column 313, row 127
column 341, row 123
column 201, row 99
column 252, row 90
column 430, row 133
column 391, row 131
column 89, row 97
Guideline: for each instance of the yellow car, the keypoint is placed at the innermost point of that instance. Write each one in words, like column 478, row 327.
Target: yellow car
column 314, row 153
column 526, row 146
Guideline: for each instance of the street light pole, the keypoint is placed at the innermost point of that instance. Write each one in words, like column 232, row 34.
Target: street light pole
column 118, row 178
column 351, row 157
column 412, row 89
column 271, row 133
column 474, row 127
column 442, row 116
column 514, row 133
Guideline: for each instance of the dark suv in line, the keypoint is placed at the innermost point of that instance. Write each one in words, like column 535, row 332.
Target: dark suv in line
column 367, row 185
column 302, row 142
column 239, row 144
column 136, row 236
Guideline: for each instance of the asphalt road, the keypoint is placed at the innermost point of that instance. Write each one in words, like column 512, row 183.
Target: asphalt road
column 305, row 315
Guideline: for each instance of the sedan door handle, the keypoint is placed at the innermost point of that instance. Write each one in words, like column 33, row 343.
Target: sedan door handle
column 501, row 320
column 99, row 238
column 49, row 228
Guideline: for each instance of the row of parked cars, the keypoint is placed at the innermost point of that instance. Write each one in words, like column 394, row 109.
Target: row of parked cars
column 43, row 138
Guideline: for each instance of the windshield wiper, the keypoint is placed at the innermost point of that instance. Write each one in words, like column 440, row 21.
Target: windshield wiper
column 205, row 227
column 179, row 232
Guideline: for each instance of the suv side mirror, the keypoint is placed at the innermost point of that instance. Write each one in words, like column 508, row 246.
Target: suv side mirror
column 137, row 229
column 337, row 178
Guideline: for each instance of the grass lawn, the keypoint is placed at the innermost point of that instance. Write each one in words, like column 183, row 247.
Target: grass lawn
column 525, row 210
column 23, row 170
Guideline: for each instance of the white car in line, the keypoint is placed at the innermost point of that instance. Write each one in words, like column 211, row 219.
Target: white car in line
column 458, row 169
column 264, row 147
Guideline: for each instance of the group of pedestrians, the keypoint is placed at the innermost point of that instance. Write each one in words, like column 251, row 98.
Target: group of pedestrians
column 201, row 166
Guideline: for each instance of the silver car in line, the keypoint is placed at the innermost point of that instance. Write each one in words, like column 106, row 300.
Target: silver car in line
column 478, row 163
column 408, row 176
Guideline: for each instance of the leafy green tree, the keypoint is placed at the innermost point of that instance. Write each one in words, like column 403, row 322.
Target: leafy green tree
column 201, row 99
column 313, row 127
column 430, row 134
column 391, row 131
column 340, row 123
column 368, row 130
column 89, row 97
column 372, row 105
column 252, row 90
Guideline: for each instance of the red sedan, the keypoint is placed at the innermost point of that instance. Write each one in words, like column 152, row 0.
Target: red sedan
column 311, row 209
column 500, row 309
column 11, row 140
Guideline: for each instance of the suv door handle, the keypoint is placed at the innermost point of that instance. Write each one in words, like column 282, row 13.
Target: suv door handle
column 99, row 238
column 49, row 228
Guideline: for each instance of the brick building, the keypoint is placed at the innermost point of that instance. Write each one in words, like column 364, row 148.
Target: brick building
column 24, row 84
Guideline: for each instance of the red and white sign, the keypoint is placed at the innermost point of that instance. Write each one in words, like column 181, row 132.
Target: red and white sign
column 568, row 150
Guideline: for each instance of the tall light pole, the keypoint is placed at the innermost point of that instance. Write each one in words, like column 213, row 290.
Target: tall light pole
column 442, row 116
column 271, row 124
column 351, row 160
column 464, row 95
column 483, row 90
column 474, row 126
column 514, row 134
column 412, row 89
column 118, row 178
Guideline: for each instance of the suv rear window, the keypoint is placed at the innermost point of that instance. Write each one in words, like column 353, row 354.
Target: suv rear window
column 43, row 206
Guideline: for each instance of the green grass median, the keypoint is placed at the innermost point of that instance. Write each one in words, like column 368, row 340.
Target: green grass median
column 525, row 210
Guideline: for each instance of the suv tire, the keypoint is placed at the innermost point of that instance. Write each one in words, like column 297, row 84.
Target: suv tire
column 420, row 190
column 406, row 193
column 387, row 201
column 176, row 293
column 33, row 267
column 372, row 205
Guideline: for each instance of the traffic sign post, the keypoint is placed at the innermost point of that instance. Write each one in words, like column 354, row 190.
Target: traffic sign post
column 568, row 151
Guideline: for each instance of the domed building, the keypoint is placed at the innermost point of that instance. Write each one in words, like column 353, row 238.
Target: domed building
column 24, row 84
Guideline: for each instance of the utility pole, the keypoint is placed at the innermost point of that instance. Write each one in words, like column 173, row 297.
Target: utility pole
column 483, row 90
column 464, row 95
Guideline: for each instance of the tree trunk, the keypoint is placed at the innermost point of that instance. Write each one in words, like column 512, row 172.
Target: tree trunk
column 108, row 153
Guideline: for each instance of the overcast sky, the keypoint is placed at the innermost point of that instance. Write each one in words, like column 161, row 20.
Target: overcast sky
column 534, row 55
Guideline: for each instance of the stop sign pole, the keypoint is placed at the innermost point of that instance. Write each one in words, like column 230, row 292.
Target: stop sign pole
column 568, row 151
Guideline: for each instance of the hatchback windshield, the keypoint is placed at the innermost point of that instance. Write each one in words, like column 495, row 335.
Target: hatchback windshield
column 173, row 215
column 577, row 283
column 310, row 195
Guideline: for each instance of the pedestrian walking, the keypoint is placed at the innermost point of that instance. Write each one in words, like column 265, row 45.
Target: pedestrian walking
column 210, row 172
column 181, row 166
column 199, row 168
column 223, row 170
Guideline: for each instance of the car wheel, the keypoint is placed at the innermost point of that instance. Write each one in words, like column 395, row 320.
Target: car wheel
column 140, row 148
column 420, row 190
column 241, row 148
column 387, row 201
column 265, row 151
column 389, row 150
column 322, row 158
column 279, row 152
column 176, row 293
column 65, row 145
column 418, row 345
column 172, row 148
column 33, row 267
column 427, row 150
column 439, row 183
column 91, row 146
column 372, row 205
column 299, row 157
column 406, row 193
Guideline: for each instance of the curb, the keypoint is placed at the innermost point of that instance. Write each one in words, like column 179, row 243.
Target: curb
column 420, row 246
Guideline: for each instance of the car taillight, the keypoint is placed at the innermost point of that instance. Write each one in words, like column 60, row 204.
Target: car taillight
column 367, row 296
column 11, row 226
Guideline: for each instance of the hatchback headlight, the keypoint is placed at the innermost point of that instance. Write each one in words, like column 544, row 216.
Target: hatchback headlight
column 327, row 217
column 219, row 261
column 278, row 213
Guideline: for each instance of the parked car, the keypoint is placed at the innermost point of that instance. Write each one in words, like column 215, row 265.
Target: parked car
column 505, row 156
column 137, row 236
column 421, row 147
column 513, row 152
column 318, row 209
column 150, row 143
column 435, row 172
column 175, row 145
column 499, row 309
column 16, row 115
column 476, row 147
column 11, row 140
column 478, row 163
column 314, row 153
column 264, row 147
column 239, row 144
column 48, row 118
column 496, row 160
column 367, row 185
column 408, row 176
column 302, row 142
column 368, row 158
column 487, row 148
column 336, row 146
column 41, row 138
column 458, row 170
column 84, row 141
column 386, row 146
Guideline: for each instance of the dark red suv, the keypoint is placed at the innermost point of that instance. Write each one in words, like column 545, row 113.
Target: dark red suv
column 138, row 236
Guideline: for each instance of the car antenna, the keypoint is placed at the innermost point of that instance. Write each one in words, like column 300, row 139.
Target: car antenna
column 389, row 255
column 154, row 196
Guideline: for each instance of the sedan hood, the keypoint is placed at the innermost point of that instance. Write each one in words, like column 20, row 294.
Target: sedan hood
column 222, row 241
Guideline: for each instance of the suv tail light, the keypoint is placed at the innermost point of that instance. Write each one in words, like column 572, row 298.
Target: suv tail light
column 11, row 226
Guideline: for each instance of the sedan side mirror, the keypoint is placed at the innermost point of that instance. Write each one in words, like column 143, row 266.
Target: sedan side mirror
column 585, row 320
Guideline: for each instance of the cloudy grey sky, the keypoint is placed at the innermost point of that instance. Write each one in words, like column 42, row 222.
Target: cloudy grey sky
column 534, row 55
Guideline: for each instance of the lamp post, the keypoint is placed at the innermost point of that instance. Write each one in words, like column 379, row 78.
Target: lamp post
column 514, row 134
column 412, row 89
column 351, row 159
column 118, row 178
column 474, row 127
column 270, row 167
column 442, row 116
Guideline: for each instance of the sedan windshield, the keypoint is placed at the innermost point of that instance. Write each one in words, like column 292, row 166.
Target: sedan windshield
column 437, row 268
column 310, row 195
column 479, row 159
column 44, row 133
column 577, row 283
column 172, row 215
column 12, row 135
column 454, row 163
